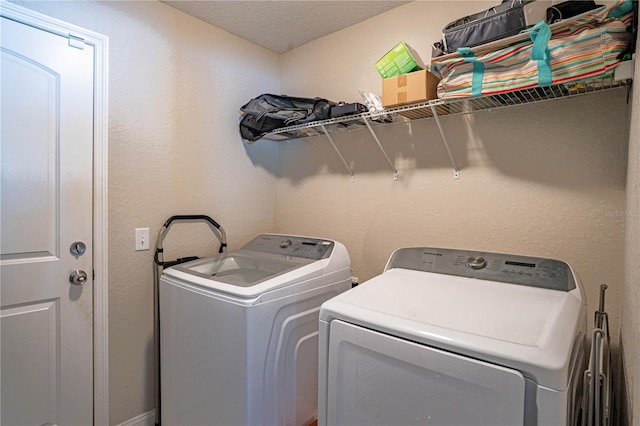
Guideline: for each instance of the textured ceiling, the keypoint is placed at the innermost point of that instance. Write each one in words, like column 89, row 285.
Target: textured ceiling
column 283, row 25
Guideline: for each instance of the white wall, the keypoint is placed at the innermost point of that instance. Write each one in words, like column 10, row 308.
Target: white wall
column 176, row 84
column 545, row 180
column 630, row 329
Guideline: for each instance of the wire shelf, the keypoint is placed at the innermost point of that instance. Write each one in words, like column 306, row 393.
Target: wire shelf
column 440, row 108
column 447, row 107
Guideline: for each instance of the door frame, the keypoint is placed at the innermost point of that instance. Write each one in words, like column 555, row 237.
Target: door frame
column 100, row 44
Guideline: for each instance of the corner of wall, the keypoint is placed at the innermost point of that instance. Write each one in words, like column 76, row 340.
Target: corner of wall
column 279, row 164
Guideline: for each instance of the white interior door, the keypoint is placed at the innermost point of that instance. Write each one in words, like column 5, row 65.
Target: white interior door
column 46, row 207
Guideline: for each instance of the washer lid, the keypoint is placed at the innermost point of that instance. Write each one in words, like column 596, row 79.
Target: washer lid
column 527, row 328
column 240, row 270
column 246, row 274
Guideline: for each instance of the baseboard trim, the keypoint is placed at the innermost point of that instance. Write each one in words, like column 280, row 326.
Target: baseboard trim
column 144, row 419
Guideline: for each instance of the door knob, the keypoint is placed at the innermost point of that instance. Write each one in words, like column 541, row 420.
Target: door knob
column 78, row 277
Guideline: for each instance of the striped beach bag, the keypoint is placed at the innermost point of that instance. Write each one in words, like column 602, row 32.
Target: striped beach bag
column 586, row 47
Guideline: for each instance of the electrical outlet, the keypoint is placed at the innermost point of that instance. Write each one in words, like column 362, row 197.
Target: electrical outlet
column 142, row 239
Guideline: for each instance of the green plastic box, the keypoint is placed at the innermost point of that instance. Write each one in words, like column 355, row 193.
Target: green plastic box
column 401, row 59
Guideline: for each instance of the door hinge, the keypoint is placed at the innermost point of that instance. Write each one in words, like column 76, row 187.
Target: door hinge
column 94, row 275
column 75, row 41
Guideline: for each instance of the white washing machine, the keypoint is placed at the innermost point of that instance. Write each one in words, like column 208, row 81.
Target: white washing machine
column 239, row 332
column 452, row 337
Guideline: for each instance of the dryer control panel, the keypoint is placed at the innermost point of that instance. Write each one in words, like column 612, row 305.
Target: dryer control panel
column 513, row 269
column 294, row 246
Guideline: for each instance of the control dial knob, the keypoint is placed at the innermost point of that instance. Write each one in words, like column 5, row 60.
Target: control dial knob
column 285, row 243
column 476, row 262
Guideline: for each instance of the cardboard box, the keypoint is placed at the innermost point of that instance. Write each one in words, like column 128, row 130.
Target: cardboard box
column 399, row 60
column 417, row 86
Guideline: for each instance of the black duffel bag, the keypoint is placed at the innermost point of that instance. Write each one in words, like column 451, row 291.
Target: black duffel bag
column 270, row 112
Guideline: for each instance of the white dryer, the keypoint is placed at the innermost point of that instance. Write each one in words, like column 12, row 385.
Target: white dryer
column 453, row 337
column 239, row 332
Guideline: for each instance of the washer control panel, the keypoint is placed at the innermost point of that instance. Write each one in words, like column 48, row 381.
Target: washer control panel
column 293, row 246
column 507, row 268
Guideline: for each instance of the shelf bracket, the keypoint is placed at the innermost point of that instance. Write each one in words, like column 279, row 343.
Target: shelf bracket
column 375, row 137
column 456, row 172
column 333, row 144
